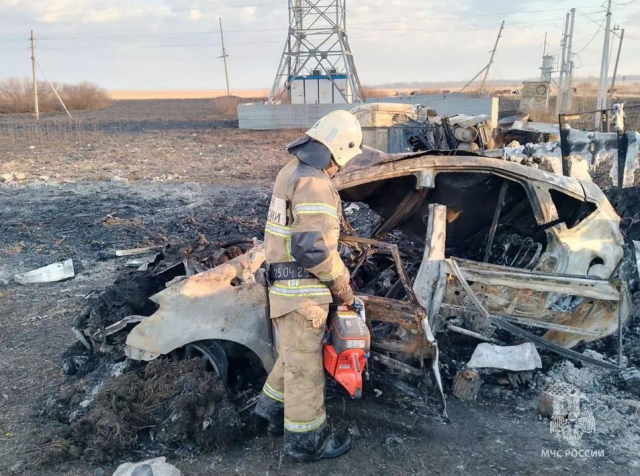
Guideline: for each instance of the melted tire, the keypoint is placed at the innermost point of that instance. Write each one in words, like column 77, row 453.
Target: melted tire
column 213, row 354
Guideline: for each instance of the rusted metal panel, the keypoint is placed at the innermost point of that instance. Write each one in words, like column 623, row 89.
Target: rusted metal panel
column 523, row 297
column 396, row 364
column 561, row 347
column 501, row 276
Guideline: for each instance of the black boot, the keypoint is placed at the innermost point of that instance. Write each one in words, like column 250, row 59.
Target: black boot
column 316, row 444
column 272, row 411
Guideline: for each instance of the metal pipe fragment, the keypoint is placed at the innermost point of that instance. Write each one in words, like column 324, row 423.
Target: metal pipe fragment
column 469, row 333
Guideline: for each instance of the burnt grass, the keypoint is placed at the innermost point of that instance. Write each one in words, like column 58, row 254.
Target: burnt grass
column 88, row 222
column 160, row 408
column 157, row 140
column 110, row 410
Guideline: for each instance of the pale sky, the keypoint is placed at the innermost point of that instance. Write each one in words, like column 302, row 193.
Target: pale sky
column 175, row 44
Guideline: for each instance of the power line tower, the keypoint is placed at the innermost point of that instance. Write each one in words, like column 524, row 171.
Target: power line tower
column 317, row 48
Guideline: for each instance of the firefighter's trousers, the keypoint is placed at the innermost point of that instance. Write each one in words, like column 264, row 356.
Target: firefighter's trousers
column 297, row 378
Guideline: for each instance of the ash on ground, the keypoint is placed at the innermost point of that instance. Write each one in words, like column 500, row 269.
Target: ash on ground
column 122, row 408
column 110, row 409
column 616, row 409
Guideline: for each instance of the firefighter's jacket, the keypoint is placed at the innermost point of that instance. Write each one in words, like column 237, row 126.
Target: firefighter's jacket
column 303, row 226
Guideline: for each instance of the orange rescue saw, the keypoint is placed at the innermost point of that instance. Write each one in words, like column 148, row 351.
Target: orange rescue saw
column 346, row 347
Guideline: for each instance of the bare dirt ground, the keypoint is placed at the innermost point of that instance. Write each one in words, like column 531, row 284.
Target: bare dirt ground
column 152, row 140
column 152, row 172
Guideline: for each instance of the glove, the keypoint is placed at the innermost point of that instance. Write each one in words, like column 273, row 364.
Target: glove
column 342, row 295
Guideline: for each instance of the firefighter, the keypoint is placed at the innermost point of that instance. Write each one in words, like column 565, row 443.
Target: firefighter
column 305, row 276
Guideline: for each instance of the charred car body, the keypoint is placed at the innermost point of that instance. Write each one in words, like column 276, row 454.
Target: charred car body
column 470, row 243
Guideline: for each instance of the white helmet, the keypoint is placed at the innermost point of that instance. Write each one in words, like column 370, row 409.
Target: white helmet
column 341, row 133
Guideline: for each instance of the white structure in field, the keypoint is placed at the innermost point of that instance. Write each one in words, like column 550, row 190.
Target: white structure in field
column 320, row 89
column 317, row 65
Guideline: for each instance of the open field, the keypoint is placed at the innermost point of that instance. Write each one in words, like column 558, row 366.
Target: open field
column 587, row 89
column 177, row 140
column 149, row 172
column 127, row 94
column 124, row 94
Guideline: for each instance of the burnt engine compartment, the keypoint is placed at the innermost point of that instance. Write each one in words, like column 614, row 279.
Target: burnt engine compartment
column 481, row 209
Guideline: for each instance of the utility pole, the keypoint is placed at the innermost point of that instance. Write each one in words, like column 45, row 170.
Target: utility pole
column 546, row 71
column 565, row 89
column 604, row 69
column 485, row 70
column 561, row 79
column 615, row 68
column 568, row 94
column 493, row 52
column 547, row 67
column 224, row 57
column 35, row 80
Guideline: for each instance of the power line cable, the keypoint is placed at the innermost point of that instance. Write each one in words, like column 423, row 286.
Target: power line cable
column 521, row 12
column 150, row 35
column 164, row 10
column 182, row 45
column 592, row 38
column 550, row 21
column 425, row 30
column 146, row 11
column 248, row 30
column 590, row 19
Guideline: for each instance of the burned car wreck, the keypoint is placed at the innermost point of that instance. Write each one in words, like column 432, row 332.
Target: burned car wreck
column 532, row 247
column 436, row 242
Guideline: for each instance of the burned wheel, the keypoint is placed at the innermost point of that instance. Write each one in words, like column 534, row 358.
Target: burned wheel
column 210, row 352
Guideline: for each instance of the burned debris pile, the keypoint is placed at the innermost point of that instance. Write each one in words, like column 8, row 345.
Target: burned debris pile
column 490, row 223
column 109, row 407
column 159, row 408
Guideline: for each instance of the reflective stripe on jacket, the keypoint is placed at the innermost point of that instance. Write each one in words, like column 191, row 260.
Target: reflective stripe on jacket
column 303, row 225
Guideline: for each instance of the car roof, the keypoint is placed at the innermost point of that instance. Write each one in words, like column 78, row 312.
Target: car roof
column 373, row 165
